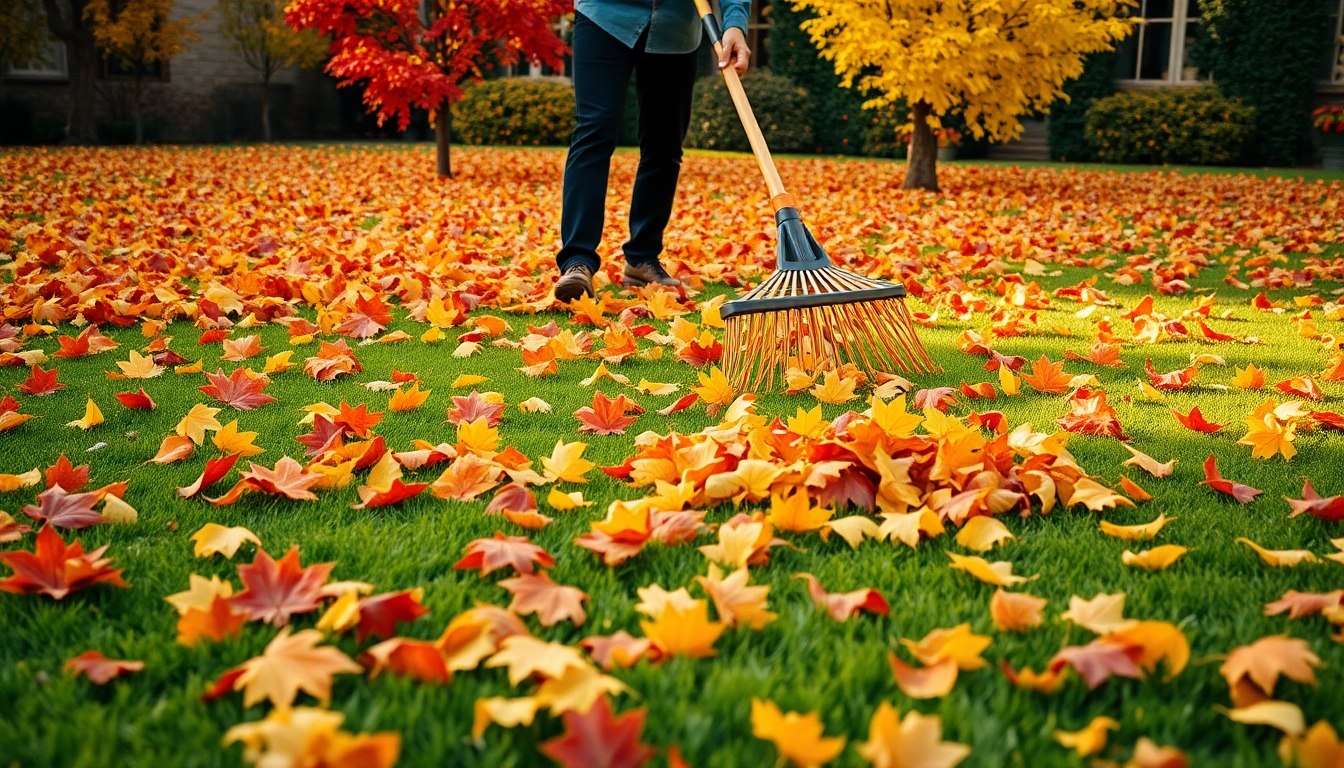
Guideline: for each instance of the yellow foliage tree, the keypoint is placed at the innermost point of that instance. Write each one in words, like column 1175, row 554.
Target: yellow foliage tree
column 989, row 60
column 256, row 30
column 139, row 34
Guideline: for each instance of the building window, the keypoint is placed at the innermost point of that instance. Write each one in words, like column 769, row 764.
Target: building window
column 1332, row 69
column 113, row 68
column 759, row 23
column 51, row 67
column 1159, row 49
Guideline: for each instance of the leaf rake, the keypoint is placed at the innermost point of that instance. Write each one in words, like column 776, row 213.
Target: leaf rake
column 809, row 313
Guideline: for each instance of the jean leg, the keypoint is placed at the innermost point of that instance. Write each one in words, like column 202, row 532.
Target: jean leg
column 602, row 67
column 664, row 83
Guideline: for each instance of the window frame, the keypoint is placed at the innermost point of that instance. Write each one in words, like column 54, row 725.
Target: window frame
column 57, row 72
column 1179, row 20
column 1336, row 79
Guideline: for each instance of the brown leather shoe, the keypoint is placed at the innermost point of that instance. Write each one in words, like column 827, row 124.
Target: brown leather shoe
column 577, row 281
column 640, row 275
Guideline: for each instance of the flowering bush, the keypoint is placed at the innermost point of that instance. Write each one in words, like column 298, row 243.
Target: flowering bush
column 1329, row 120
column 515, row 111
column 1170, row 125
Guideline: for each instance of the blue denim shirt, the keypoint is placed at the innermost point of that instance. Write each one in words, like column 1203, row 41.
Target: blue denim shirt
column 673, row 25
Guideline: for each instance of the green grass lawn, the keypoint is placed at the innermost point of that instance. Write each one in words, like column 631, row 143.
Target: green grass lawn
column 804, row 661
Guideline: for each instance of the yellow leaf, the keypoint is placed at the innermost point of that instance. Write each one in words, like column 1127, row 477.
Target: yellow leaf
column 1285, row 716
column 686, row 632
column 913, row 742
column 798, row 737
column 1148, row 463
column 1268, row 436
column 1159, row 640
column 279, row 363
column 342, row 615
column 216, row 539
column 478, row 437
column 292, row 663
column 835, row 389
column 200, row 594
column 1102, row 614
column 1009, row 381
column 1149, row 392
column 1091, row 739
column 796, row 512
column 714, row 390
column 564, row 502
column 735, row 601
column 807, row 423
column 115, row 510
column 197, row 422
column 1280, row 558
column 408, row 400
column 981, row 533
column 506, row 713
column 566, row 463
column 139, row 366
column 92, row 416
column 1154, row 559
column 1012, row 612
column 853, row 529
column 1249, row 378
column 534, row 405
column 958, row 643
column 1142, row 532
column 1000, row 574
column 576, row 690
column 655, row 388
column 467, row 380
column 1096, row 496
column 229, row 440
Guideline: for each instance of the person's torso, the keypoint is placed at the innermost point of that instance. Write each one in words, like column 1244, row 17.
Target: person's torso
column 673, row 25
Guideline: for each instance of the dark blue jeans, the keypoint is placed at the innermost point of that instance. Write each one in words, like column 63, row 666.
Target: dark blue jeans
column 663, row 83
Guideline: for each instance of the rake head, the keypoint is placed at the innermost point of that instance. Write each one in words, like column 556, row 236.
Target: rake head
column 814, row 315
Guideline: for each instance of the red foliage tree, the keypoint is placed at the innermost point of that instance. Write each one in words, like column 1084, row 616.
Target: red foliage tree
column 408, row 60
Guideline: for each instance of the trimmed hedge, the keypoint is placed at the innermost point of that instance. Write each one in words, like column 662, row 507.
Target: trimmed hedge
column 1268, row 54
column 1197, row 126
column 515, row 111
column 783, row 110
column 1067, row 128
column 838, row 123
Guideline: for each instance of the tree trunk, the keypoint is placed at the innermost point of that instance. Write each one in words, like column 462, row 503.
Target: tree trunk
column 443, row 137
column 266, row 109
column 135, row 111
column 82, row 54
column 921, row 165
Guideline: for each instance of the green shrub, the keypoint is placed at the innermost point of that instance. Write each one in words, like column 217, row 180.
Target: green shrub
column 1196, row 126
column 515, row 111
column 882, row 136
column 783, row 110
column 1268, row 54
column 1067, row 128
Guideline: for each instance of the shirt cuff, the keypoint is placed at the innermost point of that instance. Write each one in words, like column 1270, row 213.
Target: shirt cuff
column 735, row 15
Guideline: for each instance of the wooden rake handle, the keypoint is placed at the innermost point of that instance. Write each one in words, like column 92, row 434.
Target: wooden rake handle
column 778, row 197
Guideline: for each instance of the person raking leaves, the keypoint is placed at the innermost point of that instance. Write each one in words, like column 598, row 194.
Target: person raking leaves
column 656, row 41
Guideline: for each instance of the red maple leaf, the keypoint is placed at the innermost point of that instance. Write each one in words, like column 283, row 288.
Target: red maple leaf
column 1301, row 386
column 935, row 397
column 686, row 401
column 698, row 356
column 599, row 739
column 514, row 497
column 100, row 669
column 215, row 469
column 472, row 407
column 1213, row 479
column 1213, row 335
column 239, row 389
column 140, row 401
column 357, row 421
column 396, row 493
column 89, row 342
column 516, row 552
column 40, row 382
column 1090, row 415
column 1175, row 380
column 65, row 510
column 1014, row 362
column 1330, row 508
column 1099, row 660
column 369, row 318
column 1196, row 421
column 212, row 336
column 380, row 614
column 56, row 570
column 327, row 435
column 68, row 477
column 1298, row 604
column 606, row 416
column 274, row 591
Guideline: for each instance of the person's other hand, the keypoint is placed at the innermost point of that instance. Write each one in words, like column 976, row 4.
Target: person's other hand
column 734, row 51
